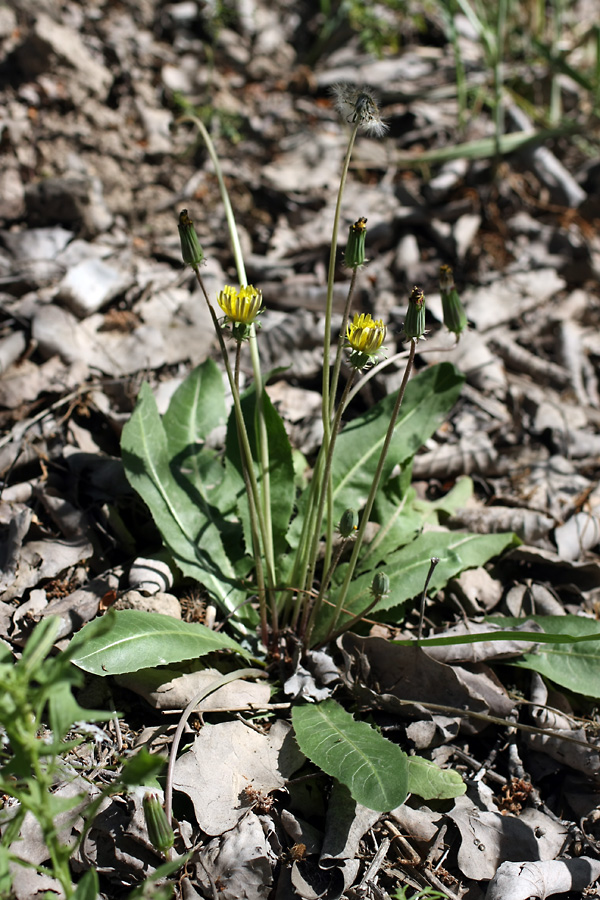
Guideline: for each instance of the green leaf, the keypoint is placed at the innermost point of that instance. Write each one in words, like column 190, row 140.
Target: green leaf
column 399, row 522
column 402, row 515
column 432, row 783
column 188, row 522
column 88, row 886
column 140, row 640
column 64, row 710
column 39, row 644
column 374, row 770
column 407, row 570
column 428, row 399
column 141, row 768
column 196, row 408
column 572, row 660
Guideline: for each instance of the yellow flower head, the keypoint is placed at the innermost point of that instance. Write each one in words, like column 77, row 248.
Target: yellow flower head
column 365, row 337
column 365, row 334
column 241, row 307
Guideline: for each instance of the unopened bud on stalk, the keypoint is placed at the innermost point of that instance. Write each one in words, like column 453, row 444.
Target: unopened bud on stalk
column 159, row 829
column 348, row 523
column 191, row 251
column 380, row 586
column 414, row 325
column 455, row 317
column 355, row 248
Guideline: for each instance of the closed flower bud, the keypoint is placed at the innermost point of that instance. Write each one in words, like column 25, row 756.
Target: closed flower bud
column 455, row 317
column 191, row 251
column 159, row 830
column 381, row 585
column 414, row 325
column 348, row 523
column 355, row 248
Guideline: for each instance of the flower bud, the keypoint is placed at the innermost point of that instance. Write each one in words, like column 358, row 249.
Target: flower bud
column 355, row 248
column 414, row 325
column 455, row 317
column 381, row 585
column 348, row 523
column 191, row 251
column 159, row 830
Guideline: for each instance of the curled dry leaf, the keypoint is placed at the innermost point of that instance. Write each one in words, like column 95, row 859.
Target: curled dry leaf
column 520, row 881
column 168, row 689
column 238, row 865
column 531, row 526
column 227, row 759
column 399, row 679
column 554, row 715
column 489, row 838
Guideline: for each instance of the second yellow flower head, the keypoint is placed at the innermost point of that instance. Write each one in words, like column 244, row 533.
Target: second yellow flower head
column 366, row 334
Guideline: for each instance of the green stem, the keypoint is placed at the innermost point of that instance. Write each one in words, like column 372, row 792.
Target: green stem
column 330, row 284
column 261, row 430
column 257, row 521
column 325, row 490
column 499, row 75
column 299, row 575
column 341, row 340
column 254, row 525
column 59, row 853
column 333, row 391
column 372, row 493
column 300, row 569
column 213, row 686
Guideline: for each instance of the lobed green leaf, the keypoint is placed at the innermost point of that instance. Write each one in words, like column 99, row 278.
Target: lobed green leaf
column 374, row 770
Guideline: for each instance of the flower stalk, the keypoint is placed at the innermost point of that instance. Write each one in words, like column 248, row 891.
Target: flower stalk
column 364, row 520
column 240, row 307
column 261, row 428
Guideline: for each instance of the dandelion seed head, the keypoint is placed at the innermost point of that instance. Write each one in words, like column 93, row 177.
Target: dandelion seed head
column 359, row 104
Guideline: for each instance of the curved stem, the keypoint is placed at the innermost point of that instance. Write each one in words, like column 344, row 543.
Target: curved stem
column 213, row 686
column 261, row 430
column 330, row 283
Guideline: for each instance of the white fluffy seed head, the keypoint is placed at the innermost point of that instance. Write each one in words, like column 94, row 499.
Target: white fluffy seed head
column 359, row 104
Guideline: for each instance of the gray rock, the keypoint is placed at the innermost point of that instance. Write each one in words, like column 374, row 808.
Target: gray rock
column 56, row 332
column 36, row 243
column 73, row 200
column 12, row 194
column 165, row 604
column 48, row 40
column 90, row 285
